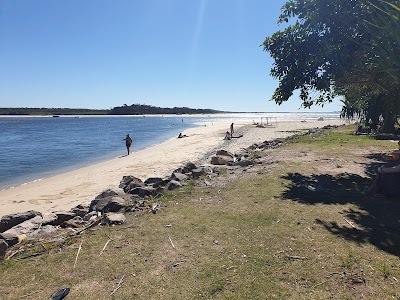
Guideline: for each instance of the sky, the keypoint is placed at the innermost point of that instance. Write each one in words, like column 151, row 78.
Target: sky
column 100, row 54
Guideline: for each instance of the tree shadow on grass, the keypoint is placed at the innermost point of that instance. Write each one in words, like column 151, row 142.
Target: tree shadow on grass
column 377, row 221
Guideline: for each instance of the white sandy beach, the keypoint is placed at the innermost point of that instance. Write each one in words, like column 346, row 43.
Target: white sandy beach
column 67, row 190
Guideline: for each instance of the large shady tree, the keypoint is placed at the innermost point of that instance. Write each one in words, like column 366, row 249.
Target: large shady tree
column 340, row 47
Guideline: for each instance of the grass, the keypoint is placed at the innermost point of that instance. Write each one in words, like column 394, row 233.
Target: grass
column 277, row 232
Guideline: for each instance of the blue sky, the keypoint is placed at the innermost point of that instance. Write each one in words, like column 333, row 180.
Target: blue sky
column 103, row 53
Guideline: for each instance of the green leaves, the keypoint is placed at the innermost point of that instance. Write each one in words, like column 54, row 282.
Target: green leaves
column 335, row 44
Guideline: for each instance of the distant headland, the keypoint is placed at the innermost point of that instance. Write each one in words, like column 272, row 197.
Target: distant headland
column 134, row 109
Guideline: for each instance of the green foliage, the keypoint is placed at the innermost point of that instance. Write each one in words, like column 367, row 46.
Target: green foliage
column 342, row 47
column 142, row 109
column 51, row 111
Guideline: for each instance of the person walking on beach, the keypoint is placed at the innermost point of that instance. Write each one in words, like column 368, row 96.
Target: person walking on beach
column 231, row 129
column 128, row 142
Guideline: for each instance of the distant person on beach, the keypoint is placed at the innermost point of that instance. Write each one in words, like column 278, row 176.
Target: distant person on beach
column 231, row 129
column 128, row 142
column 181, row 135
column 228, row 136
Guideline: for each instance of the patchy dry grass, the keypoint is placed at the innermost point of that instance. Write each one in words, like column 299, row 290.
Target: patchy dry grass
column 283, row 229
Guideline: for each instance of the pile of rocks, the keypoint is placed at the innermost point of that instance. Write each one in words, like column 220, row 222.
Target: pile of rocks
column 106, row 207
column 109, row 206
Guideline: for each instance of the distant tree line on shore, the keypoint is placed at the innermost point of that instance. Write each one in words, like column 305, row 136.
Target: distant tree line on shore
column 134, row 109
column 25, row 111
column 142, row 109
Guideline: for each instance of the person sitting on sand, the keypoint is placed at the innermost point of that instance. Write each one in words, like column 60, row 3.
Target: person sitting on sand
column 181, row 135
column 128, row 142
column 227, row 136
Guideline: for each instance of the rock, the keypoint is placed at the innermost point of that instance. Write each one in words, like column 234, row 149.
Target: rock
column 225, row 153
column 173, row 185
column 80, row 210
column 62, row 216
column 244, row 163
column 188, row 167
column 114, row 219
column 196, row 173
column 9, row 221
column 153, row 180
column 26, row 227
column 130, row 182
column 179, row 170
column 49, row 218
column 44, row 230
column 144, row 191
column 74, row 223
column 115, row 204
column 108, row 193
column 10, row 237
column 160, row 184
column 254, row 146
column 179, row 176
column 221, row 160
column 3, row 249
column 89, row 215
column 109, row 204
column 320, row 119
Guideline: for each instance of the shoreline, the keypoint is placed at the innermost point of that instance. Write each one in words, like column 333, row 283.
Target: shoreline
column 81, row 186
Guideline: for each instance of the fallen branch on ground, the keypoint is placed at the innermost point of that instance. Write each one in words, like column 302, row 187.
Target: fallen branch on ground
column 118, row 285
column 173, row 246
column 77, row 254
column 102, row 250
column 351, row 224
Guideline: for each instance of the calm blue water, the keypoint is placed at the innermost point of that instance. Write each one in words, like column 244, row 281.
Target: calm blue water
column 33, row 148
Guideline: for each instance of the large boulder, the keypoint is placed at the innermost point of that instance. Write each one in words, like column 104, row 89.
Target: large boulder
column 196, row 173
column 179, row 176
column 11, row 238
column 3, row 248
column 20, row 231
column 74, row 223
column 221, row 160
column 109, row 193
column 130, row 182
column 158, row 183
column 144, row 191
column 153, row 180
column 114, row 219
column 173, row 185
column 188, row 167
column 61, row 217
column 9, row 221
column 44, row 230
column 225, row 153
column 80, row 210
column 109, row 204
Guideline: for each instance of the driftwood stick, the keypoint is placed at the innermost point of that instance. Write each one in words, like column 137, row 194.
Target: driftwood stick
column 102, row 250
column 15, row 253
column 173, row 246
column 351, row 224
column 77, row 254
column 118, row 285
column 95, row 223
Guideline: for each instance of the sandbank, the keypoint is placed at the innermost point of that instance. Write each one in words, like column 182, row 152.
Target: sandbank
column 81, row 186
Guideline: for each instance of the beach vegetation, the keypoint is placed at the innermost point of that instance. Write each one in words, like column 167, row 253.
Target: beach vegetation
column 223, row 171
column 341, row 48
column 143, row 109
column 291, row 228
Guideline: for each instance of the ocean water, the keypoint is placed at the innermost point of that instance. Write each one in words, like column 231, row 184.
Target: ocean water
column 32, row 148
